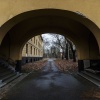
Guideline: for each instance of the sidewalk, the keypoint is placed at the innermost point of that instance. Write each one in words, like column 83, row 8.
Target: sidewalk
column 6, row 88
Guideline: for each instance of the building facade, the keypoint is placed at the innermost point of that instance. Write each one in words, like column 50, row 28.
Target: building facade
column 33, row 50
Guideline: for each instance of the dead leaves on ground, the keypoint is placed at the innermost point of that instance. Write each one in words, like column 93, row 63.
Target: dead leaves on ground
column 35, row 66
column 66, row 65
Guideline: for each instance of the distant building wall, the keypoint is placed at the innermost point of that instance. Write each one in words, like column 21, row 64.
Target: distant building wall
column 33, row 50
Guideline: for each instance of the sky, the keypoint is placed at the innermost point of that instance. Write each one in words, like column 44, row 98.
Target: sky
column 49, row 38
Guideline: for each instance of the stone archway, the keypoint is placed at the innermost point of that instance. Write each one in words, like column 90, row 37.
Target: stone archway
column 83, row 32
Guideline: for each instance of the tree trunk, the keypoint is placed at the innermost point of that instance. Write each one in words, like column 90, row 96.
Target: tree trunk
column 73, row 51
column 66, row 52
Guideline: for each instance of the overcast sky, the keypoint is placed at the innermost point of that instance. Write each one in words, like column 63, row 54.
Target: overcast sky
column 49, row 38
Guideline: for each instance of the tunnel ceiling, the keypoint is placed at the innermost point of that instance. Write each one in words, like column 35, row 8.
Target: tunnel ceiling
column 72, row 25
column 48, row 23
column 39, row 21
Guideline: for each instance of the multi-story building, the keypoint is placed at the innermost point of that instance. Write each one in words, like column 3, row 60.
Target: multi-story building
column 33, row 50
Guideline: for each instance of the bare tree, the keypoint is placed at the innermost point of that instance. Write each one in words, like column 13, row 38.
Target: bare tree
column 72, row 49
column 61, row 43
column 46, row 46
column 65, row 44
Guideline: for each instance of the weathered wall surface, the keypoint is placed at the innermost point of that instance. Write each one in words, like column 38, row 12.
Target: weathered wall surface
column 89, row 8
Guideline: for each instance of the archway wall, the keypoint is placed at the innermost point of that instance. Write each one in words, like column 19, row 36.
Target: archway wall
column 15, row 50
column 22, row 27
column 9, row 21
column 78, row 20
column 88, row 8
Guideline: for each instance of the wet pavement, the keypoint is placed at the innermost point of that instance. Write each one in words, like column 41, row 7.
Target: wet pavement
column 51, row 84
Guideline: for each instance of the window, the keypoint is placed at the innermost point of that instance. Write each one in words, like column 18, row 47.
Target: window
column 39, row 52
column 34, row 51
column 34, row 39
column 31, row 50
column 36, row 42
column 26, row 49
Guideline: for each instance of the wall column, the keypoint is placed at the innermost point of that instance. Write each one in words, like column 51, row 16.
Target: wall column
column 80, row 65
column 18, row 65
column 83, row 64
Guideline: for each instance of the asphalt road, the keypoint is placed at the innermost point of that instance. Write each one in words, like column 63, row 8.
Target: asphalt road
column 51, row 84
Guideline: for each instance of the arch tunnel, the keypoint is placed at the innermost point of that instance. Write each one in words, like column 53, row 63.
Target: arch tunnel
column 75, row 26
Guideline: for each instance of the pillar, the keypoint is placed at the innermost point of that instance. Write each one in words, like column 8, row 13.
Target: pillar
column 80, row 65
column 18, row 65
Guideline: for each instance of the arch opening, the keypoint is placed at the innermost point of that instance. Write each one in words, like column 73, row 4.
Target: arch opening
column 83, row 32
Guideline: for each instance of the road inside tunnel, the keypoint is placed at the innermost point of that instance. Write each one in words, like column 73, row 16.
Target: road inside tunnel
column 52, row 84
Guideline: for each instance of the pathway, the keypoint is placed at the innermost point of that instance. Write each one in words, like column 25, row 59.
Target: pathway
column 51, row 84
